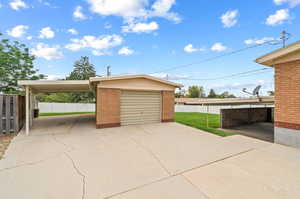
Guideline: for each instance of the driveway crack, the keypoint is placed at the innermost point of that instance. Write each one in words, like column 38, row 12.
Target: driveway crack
column 153, row 155
column 30, row 163
column 80, row 174
column 190, row 182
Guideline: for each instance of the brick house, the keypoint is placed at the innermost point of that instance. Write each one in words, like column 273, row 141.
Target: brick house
column 120, row 100
column 286, row 62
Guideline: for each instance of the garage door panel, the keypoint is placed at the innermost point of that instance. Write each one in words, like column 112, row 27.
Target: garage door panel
column 139, row 107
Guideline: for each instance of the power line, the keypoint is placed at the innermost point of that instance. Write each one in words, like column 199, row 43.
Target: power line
column 241, row 74
column 257, row 73
column 216, row 57
column 284, row 37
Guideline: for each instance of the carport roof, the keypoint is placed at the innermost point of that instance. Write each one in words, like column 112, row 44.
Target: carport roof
column 48, row 86
column 56, row 85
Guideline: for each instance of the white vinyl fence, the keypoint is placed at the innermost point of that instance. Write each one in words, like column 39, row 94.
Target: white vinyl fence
column 76, row 107
column 65, row 107
column 211, row 108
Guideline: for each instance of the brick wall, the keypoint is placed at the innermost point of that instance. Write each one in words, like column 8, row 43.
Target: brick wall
column 287, row 95
column 108, row 107
column 168, row 98
column 237, row 117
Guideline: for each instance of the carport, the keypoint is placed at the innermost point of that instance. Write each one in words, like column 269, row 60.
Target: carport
column 33, row 87
column 120, row 100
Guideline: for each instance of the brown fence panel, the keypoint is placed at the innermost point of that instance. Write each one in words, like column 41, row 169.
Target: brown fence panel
column 12, row 113
column 1, row 113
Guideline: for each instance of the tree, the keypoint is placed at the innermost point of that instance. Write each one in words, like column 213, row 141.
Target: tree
column 271, row 93
column 178, row 95
column 212, row 94
column 196, row 92
column 16, row 63
column 83, row 70
column 54, row 97
column 226, row 94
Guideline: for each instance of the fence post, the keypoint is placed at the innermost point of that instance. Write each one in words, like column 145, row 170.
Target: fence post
column 1, row 112
column 15, row 113
column 27, row 110
column 8, row 114
column 207, row 112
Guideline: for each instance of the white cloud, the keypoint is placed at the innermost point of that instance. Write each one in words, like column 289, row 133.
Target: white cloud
column 99, row 53
column 140, row 27
column 46, row 3
column 259, row 41
column 229, row 19
column 161, row 8
column 73, row 31
column 29, row 37
column 218, row 47
column 46, row 33
column 47, row 52
column 134, row 9
column 125, row 51
column 18, row 31
column 95, row 43
column 278, row 18
column 190, row 48
column 77, row 14
column 55, row 77
column 292, row 3
column 18, row 4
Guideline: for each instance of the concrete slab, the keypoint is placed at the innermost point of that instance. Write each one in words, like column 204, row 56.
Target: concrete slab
column 226, row 181
column 173, row 188
column 181, row 151
column 117, row 168
column 66, row 157
column 247, row 141
column 262, row 130
column 31, row 151
column 270, row 172
column 52, row 178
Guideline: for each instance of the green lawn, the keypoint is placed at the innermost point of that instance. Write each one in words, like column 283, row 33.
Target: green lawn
column 198, row 120
column 57, row 114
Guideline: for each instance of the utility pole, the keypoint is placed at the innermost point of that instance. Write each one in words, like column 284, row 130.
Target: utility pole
column 284, row 37
column 108, row 73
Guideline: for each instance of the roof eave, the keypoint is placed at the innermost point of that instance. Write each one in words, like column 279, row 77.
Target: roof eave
column 270, row 58
column 99, row 79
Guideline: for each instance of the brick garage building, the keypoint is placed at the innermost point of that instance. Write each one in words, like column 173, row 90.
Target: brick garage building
column 286, row 62
column 121, row 100
column 137, row 99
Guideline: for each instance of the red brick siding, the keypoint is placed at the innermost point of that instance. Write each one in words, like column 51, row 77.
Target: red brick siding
column 108, row 107
column 287, row 94
column 168, row 98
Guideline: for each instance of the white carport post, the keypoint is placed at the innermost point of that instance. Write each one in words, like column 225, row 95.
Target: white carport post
column 27, row 111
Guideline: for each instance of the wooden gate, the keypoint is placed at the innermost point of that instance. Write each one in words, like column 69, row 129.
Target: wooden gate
column 12, row 113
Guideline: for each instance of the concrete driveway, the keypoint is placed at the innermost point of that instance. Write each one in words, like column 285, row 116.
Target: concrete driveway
column 66, row 157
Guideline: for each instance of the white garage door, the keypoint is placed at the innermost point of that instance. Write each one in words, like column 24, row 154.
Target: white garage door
column 140, row 107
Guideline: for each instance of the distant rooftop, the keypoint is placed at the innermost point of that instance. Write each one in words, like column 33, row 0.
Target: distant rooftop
column 225, row 101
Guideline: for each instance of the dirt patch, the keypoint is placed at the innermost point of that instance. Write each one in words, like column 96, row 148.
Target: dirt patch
column 5, row 140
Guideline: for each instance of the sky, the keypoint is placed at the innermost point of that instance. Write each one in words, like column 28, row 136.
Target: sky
column 166, row 38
